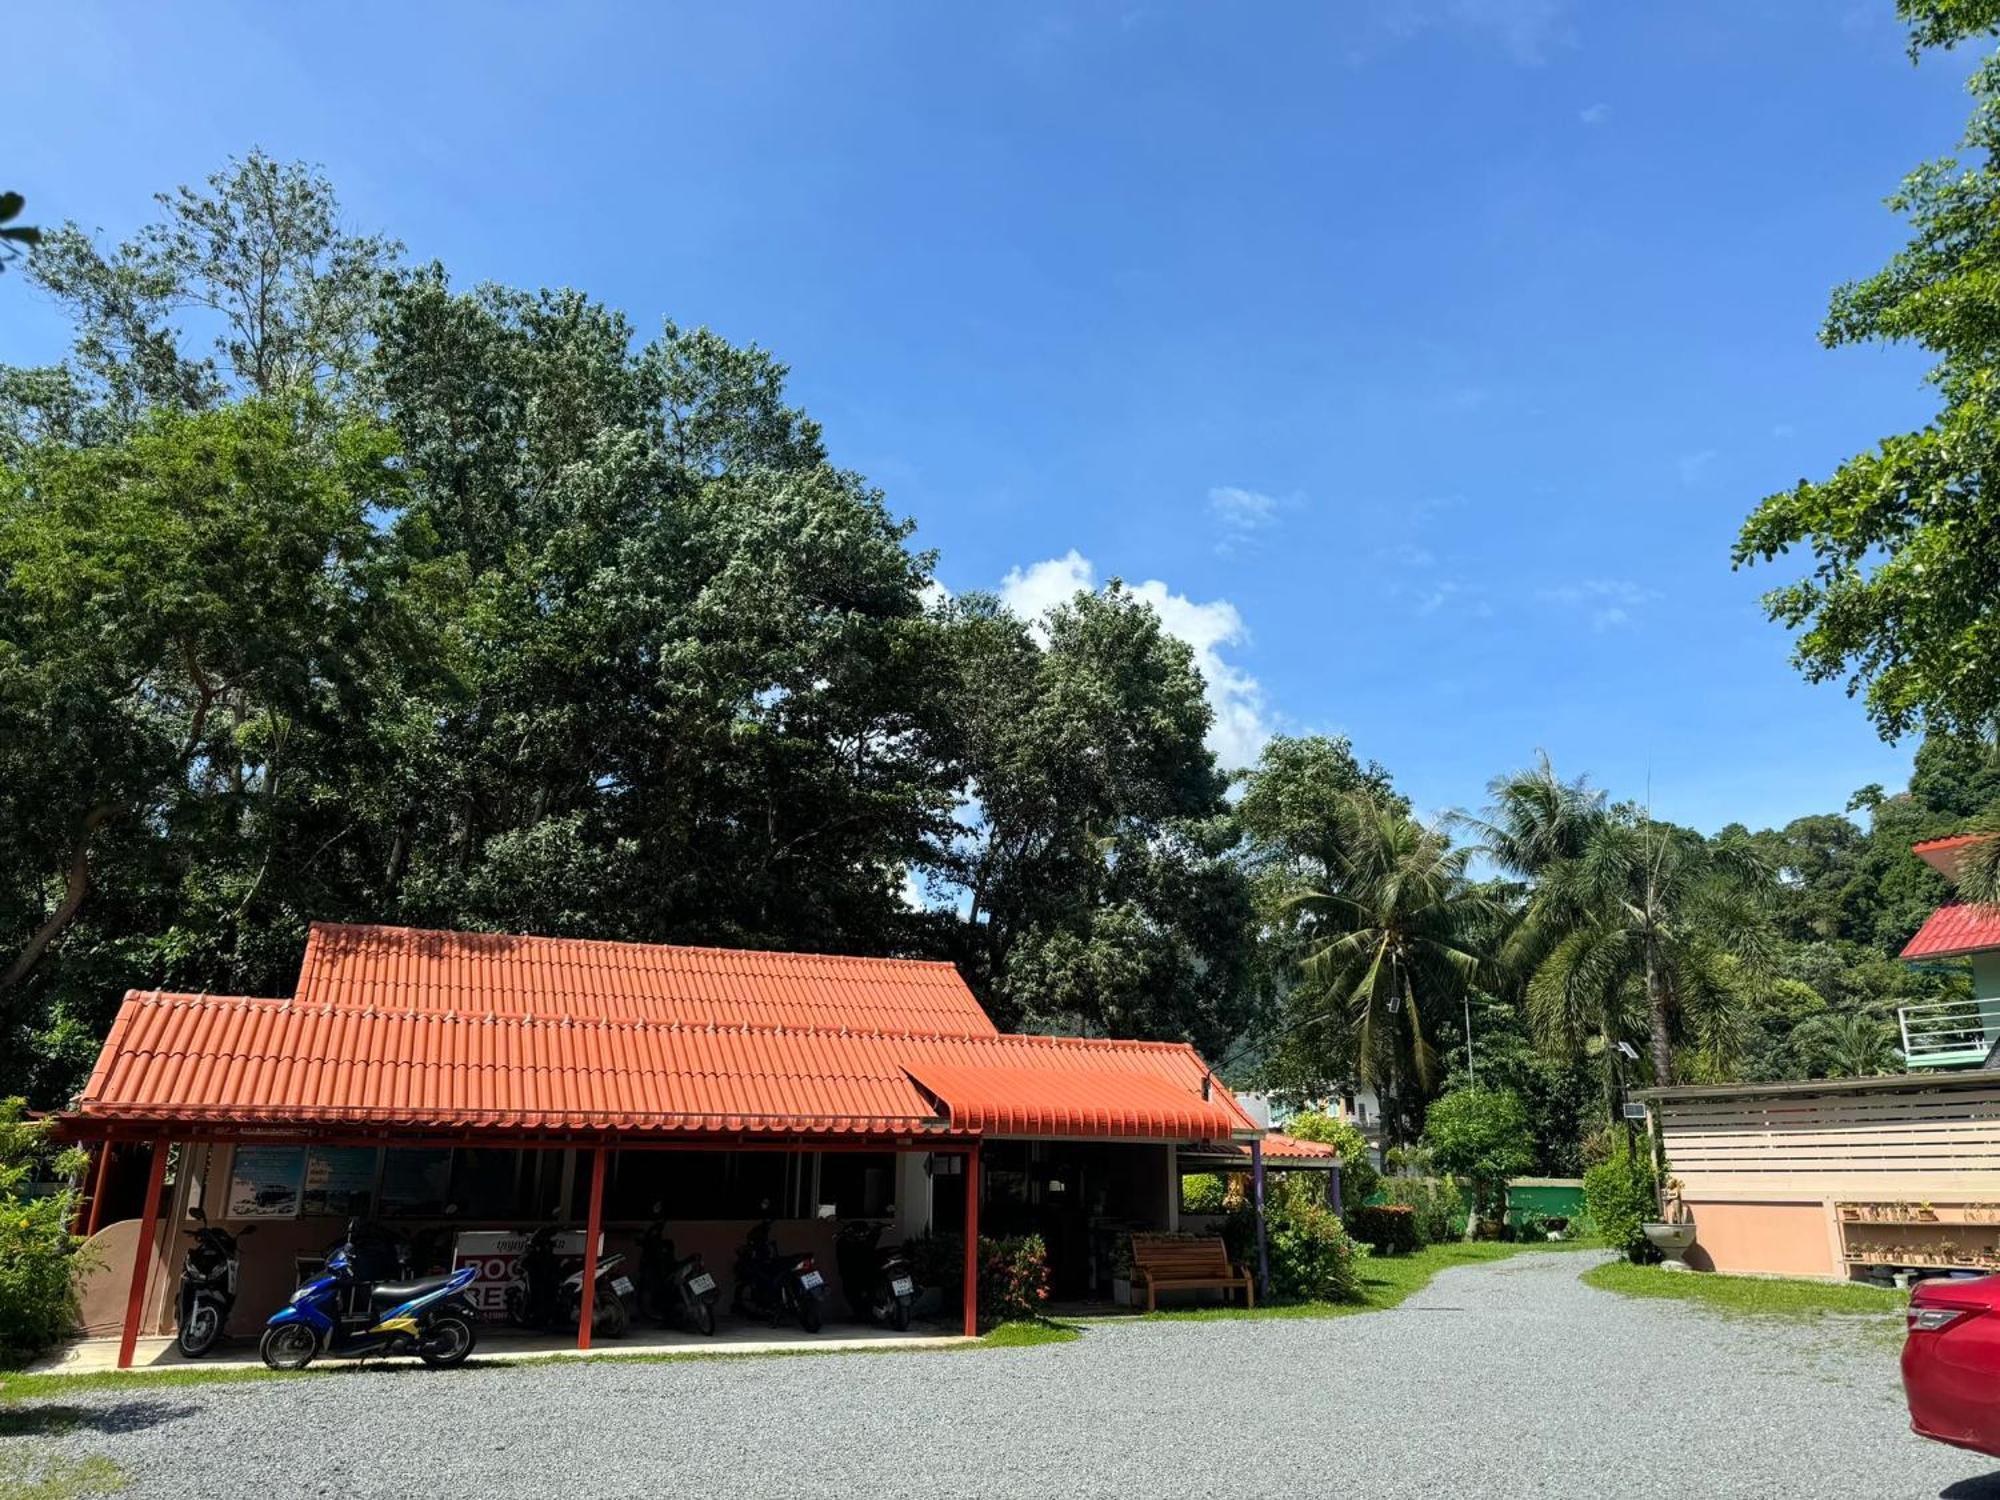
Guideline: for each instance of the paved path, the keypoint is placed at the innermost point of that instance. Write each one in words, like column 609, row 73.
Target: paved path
column 1508, row 1379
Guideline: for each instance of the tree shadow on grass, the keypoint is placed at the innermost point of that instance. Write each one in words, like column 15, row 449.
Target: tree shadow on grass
column 121, row 1416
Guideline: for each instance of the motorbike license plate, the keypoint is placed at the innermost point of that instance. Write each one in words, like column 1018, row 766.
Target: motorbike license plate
column 902, row 1286
column 622, row 1286
column 702, row 1285
column 811, row 1280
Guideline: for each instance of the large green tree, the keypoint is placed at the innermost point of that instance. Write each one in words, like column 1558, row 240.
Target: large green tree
column 1902, row 600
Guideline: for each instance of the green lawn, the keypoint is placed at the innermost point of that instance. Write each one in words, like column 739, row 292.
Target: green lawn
column 1385, row 1281
column 1755, row 1296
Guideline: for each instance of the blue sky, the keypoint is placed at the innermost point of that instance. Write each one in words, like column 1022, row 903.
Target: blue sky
column 1420, row 357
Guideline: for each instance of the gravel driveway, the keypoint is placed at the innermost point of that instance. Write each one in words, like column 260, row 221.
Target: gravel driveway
column 1511, row 1378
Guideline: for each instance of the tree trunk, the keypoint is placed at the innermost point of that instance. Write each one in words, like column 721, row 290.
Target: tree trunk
column 1656, row 1007
column 76, row 885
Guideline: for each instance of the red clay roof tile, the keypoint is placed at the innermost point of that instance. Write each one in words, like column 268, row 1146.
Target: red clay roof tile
column 1955, row 930
column 404, row 968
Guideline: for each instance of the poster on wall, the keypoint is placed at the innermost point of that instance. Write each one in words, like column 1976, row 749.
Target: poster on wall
column 264, row 1182
column 340, row 1180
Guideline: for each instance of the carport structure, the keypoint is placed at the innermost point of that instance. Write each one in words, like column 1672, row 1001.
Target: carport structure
column 406, row 1041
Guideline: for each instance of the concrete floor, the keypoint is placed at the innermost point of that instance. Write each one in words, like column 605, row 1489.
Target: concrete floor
column 86, row 1356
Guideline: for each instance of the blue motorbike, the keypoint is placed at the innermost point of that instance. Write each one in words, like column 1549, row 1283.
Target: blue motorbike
column 342, row 1314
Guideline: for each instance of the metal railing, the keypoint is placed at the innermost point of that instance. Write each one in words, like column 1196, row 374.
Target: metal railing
column 1949, row 1033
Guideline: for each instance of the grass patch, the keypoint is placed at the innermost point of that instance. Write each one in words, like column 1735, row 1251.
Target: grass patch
column 1028, row 1333
column 1753, row 1296
column 1386, row 1280
column 23, row 1477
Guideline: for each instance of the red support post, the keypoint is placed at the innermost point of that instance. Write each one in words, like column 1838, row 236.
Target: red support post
column 142, row 1255
column 592, row 1230
column 93, row 1188
column 972, row 1243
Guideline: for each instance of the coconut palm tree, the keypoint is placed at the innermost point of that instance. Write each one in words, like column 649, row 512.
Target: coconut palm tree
column 1647, row 915
column 1536, row 818
column 1392, row 943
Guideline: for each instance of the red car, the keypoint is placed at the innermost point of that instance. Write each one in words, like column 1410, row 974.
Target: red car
column 1951, row 1362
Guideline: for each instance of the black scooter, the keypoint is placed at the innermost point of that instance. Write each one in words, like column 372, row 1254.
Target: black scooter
column 208, row 1285
column 672, row 1286
column 547, row 1289
column 772, row 1284
column 877, row 1279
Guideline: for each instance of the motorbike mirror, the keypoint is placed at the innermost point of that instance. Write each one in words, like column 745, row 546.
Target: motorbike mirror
column 195, row 1213
column 659, row 1210
column 828, row 1210
column 764, row 1205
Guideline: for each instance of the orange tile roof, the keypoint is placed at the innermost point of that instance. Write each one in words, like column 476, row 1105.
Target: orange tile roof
column 1955, row 930
column 1279, row 1149
column 477, row 973
column 195, row 1059
column 1942, row 854
column 1084, row 1093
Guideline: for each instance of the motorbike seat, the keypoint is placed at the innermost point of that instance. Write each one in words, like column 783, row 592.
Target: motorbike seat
column 387, row 1294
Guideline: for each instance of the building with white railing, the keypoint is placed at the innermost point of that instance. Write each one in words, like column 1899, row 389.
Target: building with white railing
column 1955, row 1033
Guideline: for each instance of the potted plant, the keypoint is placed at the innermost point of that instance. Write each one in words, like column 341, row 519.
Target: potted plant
column 1672, row 1234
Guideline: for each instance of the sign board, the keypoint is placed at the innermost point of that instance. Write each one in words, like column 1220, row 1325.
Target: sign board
column 495, row 1253
column 264, row 1182
column 340, row 1180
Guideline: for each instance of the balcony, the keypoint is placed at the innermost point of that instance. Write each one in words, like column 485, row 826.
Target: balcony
column 1950, row 1033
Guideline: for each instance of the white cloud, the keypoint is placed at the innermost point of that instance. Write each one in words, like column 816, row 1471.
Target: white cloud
column 1241, row 509
column 934, row 594
column 1694, row 466
column 1595, row 114
column 1450, row 593
column 1235, row 697
column 1242, row 514
column 1612, row 602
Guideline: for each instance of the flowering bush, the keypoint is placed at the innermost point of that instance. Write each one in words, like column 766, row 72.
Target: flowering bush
column 38, row 1260
column 1013, row 1273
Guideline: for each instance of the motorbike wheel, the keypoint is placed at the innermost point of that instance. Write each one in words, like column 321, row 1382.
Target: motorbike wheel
column 704, row 1319
column 289, row 1346
column 517, row 1307
column 809, row 1314
column 447, row 1341
column 899, row 1314
column 610, row 1318
column 202, row 1328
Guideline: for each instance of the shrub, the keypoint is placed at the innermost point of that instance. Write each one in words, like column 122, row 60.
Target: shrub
column 1618, row 1195
column 1436, row 1202
column 1481, row 1134
column 1202, row 1193
column 1013, row 1273
column 1312, row 1258
column 1358, row 1177
column 1386, row 1228
column 38, row 1260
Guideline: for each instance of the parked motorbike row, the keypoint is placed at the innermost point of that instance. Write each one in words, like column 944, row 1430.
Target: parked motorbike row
column 378, row 1293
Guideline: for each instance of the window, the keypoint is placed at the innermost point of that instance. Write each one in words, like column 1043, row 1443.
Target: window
column 710, row 1185
column 859, row 1185
column 415, row 1183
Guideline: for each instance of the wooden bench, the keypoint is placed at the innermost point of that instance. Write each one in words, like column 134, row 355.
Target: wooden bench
column 1171, row 1265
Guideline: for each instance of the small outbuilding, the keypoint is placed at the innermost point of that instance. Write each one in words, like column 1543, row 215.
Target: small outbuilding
column 473, row 1083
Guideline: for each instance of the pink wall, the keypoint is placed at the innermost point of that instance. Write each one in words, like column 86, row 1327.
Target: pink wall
column 1774, row 1239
